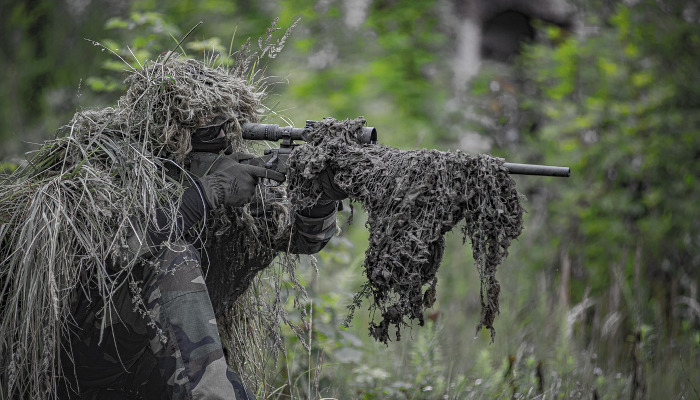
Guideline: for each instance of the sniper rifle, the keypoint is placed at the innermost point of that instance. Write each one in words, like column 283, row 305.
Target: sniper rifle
column 276, row 158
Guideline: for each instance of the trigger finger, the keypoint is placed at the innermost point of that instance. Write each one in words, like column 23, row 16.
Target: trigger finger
column 240, row 156
column 262, row 172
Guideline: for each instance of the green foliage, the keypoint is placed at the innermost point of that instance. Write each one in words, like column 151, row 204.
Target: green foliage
column 387, row 69
column 618, row 104
column 143, row 37
column 621, row 108
column 7, row 167
column 44, row 58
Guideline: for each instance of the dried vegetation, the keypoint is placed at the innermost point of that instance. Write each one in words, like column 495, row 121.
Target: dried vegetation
column 66, row 213
column 413, row 198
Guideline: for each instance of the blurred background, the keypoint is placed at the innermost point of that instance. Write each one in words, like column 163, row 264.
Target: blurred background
column 600, row 294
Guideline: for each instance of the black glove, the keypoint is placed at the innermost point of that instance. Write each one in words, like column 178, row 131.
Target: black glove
column 331, row 191
column 331, row 195
column 233, row 184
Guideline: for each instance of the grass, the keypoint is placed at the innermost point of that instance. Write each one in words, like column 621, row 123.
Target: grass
column 540, row 352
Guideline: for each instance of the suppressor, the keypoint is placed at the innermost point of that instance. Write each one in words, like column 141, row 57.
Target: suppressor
column 534, row 169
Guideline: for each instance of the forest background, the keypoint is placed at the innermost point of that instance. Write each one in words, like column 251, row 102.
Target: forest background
column 599, row 295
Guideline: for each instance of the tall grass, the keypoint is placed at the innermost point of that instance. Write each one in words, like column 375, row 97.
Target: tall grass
column 63, row 223
column 543, row 350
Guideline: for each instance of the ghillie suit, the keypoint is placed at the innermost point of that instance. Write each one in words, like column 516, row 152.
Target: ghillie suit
column 413, row 198
column 67, row 214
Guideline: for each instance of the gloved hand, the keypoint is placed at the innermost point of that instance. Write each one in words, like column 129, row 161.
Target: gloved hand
column 331, row 191
column 233, row 184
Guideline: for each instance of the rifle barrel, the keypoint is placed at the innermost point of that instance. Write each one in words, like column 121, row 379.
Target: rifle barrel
column 534, row 169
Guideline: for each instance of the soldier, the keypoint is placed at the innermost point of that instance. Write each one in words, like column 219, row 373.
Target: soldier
column 155, row 335
column 177, row 353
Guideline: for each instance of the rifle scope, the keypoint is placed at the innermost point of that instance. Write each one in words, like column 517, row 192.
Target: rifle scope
column 274, row 132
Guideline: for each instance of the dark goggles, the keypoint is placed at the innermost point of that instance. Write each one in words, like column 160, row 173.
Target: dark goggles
column 211, row 138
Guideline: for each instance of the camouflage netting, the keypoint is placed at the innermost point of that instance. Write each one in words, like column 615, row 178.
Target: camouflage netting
column 66, row 213
column 413, row 198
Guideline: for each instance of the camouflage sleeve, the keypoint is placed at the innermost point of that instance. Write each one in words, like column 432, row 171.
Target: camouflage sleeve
column 144, row 238
column 306, row 232
column 311, row 233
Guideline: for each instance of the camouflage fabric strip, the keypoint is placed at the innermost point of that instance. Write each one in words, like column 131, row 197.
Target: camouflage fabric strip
column 313, row 233
column 185, row 336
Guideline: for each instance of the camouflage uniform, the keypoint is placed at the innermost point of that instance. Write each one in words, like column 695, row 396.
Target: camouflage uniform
column 173, row 352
